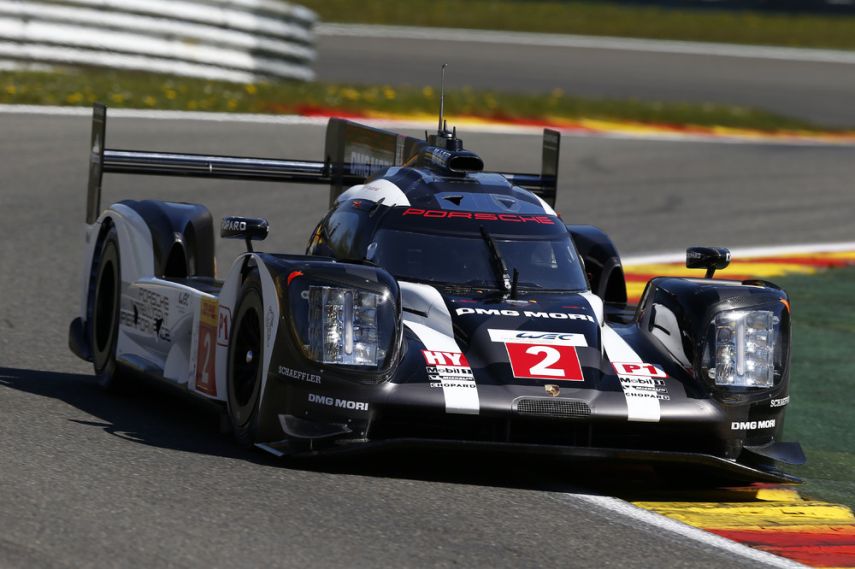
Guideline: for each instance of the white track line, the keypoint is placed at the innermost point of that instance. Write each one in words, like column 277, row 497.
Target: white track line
column 746, row 252
column 660, row 522
column 590, row 42
column 414, row 125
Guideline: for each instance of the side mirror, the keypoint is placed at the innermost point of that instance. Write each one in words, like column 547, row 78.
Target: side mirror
column 247, row 228
column 709, row 258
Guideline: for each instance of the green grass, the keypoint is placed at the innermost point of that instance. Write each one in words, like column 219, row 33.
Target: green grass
column 140, row 90
column 600, row 18
column 821, row 414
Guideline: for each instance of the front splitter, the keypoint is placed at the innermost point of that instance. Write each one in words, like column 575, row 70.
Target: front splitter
column 716, row 467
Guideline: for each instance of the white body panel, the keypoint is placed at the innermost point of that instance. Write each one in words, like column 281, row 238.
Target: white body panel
column 375, row 191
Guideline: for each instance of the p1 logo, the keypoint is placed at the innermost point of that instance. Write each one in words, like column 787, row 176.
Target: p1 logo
column 639, row 369
column 537, row 361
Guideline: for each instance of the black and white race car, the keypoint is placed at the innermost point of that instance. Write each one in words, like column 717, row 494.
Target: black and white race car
column 437, row 304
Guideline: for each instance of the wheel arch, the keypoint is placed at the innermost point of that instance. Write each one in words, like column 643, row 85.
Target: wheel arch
column 227, row 303
column 602, row 262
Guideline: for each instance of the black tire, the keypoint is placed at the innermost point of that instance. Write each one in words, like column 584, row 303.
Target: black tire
column 245, row 363
column 104, row 309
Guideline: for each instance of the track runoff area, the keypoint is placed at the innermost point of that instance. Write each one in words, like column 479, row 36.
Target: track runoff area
column 764, row 524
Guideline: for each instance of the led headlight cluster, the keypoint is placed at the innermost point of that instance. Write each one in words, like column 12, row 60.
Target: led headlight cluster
column 343, row 326
column 744, row 348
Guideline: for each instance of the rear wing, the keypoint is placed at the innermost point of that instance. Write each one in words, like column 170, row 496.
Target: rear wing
column 353, row 154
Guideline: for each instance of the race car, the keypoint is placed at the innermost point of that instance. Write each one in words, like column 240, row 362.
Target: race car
column 437, row 305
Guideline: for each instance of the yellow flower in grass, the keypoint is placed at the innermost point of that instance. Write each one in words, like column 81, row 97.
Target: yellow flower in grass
column 428, row 92
column 170, row 94
column 74, row 98
column 232, row 104
column 250, row 89
column 389, row 93
column 117, row 98
column 149, row 101
column 11, row 89
column 350, row 94
column 370, row 95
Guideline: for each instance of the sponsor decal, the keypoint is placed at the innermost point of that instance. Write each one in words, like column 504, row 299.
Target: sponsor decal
column 644, row 387
column 183, row 302
column 453, row 383
column 533, row 337
column 363, row 164
column 297, row 374
column 268, row 323
column 233, row 225
column 535, row 361
column 552, row 390
column 224, row 326
column 783, row 402
column 752, row 425
column 338, row 403
column 147, row 313
column 434, row 358
column 526, row 313
column 449, row 370
column 638, row 369
column 478, row 216
column 206, row 349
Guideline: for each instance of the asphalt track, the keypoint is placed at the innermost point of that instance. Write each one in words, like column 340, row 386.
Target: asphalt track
column 143, row 480
column 811, row 90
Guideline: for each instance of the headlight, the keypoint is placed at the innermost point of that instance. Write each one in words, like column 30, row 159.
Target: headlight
column 746, row 348
column 351, row 326
column 343, row 326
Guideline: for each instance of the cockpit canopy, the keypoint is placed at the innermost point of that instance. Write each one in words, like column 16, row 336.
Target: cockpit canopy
column 452, row 246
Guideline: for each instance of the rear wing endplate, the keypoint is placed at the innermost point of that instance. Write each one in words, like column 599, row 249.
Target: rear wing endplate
column 353, row 154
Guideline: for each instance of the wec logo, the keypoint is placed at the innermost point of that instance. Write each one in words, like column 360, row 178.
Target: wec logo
column 535, row 337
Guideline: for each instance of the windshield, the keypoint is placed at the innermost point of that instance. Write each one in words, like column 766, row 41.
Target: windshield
column 550, row 264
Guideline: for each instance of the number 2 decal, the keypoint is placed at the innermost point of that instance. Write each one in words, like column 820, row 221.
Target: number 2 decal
column 205, row 362
column 535, row 361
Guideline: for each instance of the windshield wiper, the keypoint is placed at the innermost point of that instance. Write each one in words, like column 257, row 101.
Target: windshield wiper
column 497, row 261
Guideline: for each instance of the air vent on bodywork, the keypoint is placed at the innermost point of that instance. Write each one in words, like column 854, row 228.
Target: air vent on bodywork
column 551, row 407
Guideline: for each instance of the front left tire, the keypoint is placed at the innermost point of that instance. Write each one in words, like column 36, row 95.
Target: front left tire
column 245, row 368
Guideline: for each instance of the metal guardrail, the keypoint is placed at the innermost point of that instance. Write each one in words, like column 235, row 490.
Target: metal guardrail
column 232, row 40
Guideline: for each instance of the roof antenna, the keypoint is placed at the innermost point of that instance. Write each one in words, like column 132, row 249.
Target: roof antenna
column 444, row 137
column 440, row 128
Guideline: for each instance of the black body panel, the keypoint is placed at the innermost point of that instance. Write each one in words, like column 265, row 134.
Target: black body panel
column 182, row 237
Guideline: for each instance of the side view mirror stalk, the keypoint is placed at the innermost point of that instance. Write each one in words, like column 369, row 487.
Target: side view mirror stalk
column 709, row 258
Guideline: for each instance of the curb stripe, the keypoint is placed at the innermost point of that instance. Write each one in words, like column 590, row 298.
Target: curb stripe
column 640, row 270
column 578, row 128
column 659, row 522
